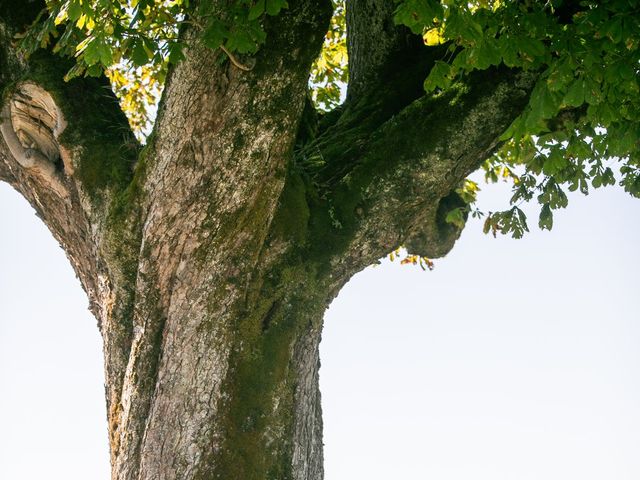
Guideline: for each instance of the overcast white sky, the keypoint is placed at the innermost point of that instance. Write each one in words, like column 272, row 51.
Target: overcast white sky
column 512, row 360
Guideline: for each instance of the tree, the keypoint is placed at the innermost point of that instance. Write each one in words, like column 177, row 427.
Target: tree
column 210, row 254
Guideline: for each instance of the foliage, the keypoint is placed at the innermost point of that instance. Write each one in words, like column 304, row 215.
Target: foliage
column 330, row 73
column 134, row 41
column 583, row 114
column 584, row 109
column 407, row 258
column 139, row 90
column 101, row 33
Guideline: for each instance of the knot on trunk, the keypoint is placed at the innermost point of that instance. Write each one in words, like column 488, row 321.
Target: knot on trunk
column 432, row 236
column 31, row 124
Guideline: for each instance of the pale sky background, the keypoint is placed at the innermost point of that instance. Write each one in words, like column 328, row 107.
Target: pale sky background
column 513, row 360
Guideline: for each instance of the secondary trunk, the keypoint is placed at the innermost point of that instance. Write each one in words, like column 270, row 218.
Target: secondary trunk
column 215, row 373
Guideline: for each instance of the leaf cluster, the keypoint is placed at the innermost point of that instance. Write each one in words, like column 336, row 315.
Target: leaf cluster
column 134, row 41
column 407, row 258
column 584, row 111
column 239, row 27
column 580, row 130
column 330, row 72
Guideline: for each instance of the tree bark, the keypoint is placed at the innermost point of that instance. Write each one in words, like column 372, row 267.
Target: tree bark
column 210, row 256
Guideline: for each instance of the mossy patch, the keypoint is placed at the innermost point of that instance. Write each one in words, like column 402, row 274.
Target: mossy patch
column 292, row 216
column 258, row 372
column 258, row 413
column 96, row 124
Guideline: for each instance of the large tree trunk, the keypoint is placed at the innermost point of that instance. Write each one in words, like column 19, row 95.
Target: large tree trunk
column 222, row 377
column 210, row 256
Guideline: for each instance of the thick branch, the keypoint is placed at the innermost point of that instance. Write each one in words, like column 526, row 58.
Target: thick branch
column 68, row 149
column 72, row 136
column 392, row 187
column 387, row 68
column 375, row 44
column 79, row 122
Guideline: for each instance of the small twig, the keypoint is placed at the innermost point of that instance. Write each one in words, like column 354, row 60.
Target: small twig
column 234, row 60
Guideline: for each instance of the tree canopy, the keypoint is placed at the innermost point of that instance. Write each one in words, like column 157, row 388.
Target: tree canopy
column 582, row 123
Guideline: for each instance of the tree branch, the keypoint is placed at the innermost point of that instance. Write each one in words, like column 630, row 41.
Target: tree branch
column 375, row 44
column 387, row 68
column 393, row 186
column 66, row 147
column 63, row 216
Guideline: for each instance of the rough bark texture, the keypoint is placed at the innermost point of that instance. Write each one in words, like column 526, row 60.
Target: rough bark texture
column 210, row 256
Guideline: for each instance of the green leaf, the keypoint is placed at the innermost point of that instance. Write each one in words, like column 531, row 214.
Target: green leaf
column 532, row 48
column 105, row 54
column 274, row 6
column 488, row 54
column 555, row 162
column 575, row 94
column 553, row 196
column 560, row 76
column 175, row 52
column 593, row 93
column 625, row 71
column 417, row 14
column 544, row 103
column 457, row 217
column 623, row 140
column 613, row 30
column 509, row 51
column 215, row 34
column 257, row 9
column 139, row 55
column 439, row 77
column 75, row 71
column 74, row 10
column 545, row 221
column 94, row 70
column 91, row 54
column 245, row 39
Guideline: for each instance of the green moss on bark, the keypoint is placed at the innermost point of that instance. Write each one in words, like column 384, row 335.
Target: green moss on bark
column 96, row 124
column 290, row 222
column 258, row 376
column 258, row 413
